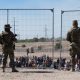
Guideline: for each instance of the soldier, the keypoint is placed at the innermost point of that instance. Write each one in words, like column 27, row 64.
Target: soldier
column 7, row 39
column 73, row 36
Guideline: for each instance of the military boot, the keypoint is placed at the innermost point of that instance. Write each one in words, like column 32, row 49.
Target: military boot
column 14, row 70
column 3, row 69
column 73, row 70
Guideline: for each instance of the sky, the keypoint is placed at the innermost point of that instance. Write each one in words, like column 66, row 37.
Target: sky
column 58, row 5
column 62, row 4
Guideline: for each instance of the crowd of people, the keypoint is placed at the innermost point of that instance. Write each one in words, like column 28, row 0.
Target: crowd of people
column 36, row 62
column 42, row 62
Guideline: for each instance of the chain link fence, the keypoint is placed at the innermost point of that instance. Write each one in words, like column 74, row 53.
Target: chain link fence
column 34, row 29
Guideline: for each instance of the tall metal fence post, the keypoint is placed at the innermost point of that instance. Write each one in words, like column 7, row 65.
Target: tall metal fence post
column 52, row 10
column 61, row 41
column 7, row 16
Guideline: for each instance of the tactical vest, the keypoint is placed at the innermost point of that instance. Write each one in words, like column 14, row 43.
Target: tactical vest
column 75, row 35
column 7, row 39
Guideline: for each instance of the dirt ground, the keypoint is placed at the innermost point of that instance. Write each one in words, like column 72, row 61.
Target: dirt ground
column 46, row 49
column 40, row 74
column 35, row 74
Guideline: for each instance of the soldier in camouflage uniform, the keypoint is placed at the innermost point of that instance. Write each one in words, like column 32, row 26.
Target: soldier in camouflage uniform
column 7, row 39
column 73, row 36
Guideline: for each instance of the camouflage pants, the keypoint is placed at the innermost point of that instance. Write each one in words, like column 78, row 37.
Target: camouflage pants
column 75, row 57
column 73, row 62
column 10, row 53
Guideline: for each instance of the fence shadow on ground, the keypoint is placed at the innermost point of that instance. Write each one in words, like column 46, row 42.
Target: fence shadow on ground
column 36, row 71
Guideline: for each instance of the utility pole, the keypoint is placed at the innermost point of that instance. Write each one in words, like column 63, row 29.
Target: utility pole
column 46, row 32
column 14, row 25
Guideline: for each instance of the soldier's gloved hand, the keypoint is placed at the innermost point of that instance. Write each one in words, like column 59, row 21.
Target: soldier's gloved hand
column 15, row 34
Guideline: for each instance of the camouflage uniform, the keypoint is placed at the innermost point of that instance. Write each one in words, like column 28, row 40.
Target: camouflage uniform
column 7, row 41
column 73, row 36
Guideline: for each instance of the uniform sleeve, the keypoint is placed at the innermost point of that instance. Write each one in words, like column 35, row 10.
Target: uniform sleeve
column 1, row 39
column 13, row 37
column 68, row 36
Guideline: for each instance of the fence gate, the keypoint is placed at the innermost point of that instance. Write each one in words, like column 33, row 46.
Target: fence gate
column 34, row 29
column 67, row 18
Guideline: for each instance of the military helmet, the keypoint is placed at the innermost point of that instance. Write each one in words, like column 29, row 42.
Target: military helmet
column 7, row 26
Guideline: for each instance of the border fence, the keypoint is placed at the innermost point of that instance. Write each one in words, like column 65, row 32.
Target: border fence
column 34, row 29
column 67, row 18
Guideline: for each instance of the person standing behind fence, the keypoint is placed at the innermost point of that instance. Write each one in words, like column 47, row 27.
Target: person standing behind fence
column 7, row 39
column 27, row 50
column 73, row 36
